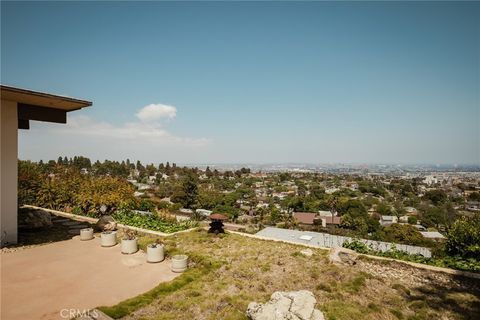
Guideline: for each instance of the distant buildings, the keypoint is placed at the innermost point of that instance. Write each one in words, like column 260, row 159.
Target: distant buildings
column 204, row 212
column 388, row 220
column 430, row 179
column 433, row 235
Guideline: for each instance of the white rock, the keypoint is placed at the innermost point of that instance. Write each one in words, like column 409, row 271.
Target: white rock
column 294, row 305
column 317, row 315
column 343, row 256
column 303, row 303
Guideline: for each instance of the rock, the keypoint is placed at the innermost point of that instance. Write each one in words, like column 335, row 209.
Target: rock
column 307, row 252
column 106, row 223
column 294, row 305
column 33, row 218
column 343, row 256
column 317, row 315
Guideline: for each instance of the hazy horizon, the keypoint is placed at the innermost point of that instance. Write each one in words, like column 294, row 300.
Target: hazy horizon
column 213, row 164
column 267, row 82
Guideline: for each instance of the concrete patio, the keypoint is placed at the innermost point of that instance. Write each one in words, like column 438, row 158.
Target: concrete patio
column 43, row 282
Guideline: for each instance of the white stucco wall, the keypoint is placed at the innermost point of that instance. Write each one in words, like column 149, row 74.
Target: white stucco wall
column 8, row 171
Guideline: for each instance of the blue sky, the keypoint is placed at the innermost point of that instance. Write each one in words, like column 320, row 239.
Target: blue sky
column 317, row 82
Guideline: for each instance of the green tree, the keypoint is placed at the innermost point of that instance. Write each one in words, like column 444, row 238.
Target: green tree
column 474, row 196
column 29, row 181
column 463, row 238
column 384, row 209
column 187, row 192
column 436, row 196
column 404, row 233
column 354, row 207
column 317, row 192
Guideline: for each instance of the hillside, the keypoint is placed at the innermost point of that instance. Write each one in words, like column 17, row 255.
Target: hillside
column 229, row 271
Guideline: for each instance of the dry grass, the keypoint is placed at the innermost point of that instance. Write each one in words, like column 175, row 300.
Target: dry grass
column 248, row 270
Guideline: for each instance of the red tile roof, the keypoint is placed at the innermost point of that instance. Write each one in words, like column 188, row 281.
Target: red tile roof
column 304, row 217
column 309, row 217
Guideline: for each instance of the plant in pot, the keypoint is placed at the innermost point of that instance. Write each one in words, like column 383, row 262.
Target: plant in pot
column 108, row 238
column 86, row 234
column 155, row 252
column 129, row 242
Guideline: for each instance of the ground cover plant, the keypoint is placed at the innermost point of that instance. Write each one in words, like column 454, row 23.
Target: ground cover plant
column 152, row 221
column 229, row 271
column 457, row 262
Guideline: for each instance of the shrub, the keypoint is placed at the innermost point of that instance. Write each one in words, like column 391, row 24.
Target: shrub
column 463, row 238
column 453, row 262
column 405, row 234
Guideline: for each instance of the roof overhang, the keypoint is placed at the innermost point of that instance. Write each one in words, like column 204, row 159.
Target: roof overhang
column 40, row 106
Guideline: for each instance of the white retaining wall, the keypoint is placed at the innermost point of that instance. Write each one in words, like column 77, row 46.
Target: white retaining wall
column 326, row 240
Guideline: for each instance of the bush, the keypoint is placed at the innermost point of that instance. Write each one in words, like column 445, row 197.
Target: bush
column 412, row 220
column 463, row 238
column 357, row 246
column 405, row 234
column 453, row 262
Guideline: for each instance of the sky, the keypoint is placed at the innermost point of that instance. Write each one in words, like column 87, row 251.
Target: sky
column 251, row 82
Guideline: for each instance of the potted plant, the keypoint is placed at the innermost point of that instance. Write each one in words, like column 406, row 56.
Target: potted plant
column 155, row 252
column 108, row 238
column 86, row 234
column 129, row 242
column 179, row 263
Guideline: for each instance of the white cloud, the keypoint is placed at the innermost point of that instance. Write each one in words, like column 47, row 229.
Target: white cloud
column 132, row 132
column 156, row 112
column 148, row 130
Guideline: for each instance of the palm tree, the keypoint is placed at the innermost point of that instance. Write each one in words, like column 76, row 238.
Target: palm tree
column 332, row 203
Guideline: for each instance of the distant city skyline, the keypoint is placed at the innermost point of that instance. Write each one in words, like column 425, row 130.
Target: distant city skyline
column 267, row 82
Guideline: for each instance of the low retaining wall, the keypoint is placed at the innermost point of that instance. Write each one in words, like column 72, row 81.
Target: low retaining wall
column 321, row 239
column 119, row 225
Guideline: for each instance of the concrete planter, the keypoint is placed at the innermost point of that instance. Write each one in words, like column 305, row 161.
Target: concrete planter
column 86, row 234
column 108, row 238
column 179, row 263
column 129, row 246
column 155, row 254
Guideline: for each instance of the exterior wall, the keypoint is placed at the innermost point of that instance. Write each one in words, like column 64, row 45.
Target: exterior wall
column 8, row 171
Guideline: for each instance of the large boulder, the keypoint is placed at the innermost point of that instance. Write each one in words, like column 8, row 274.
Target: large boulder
column 33, row 218
column 294, row 305
column 106, row 223
column 343, row 256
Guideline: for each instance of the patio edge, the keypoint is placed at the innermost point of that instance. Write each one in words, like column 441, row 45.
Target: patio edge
column 119, row 225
